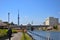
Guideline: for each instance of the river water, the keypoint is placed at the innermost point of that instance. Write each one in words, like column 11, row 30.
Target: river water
column 45, row 35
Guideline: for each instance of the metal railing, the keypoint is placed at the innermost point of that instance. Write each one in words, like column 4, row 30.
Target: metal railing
column 42, row 37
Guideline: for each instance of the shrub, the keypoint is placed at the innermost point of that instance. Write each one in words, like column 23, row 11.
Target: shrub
column 55, row 27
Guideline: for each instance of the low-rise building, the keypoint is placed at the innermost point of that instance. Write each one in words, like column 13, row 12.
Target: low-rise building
column 2, row 25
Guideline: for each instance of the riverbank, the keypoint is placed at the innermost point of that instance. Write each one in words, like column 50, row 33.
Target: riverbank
column 25, row 36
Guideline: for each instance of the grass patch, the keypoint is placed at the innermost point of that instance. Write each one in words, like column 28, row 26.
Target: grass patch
column 14, row 31
column 3, row 32
column 27, row 37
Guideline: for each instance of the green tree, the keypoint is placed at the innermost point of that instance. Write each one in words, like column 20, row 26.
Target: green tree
column 12, row 23
column 55, row 27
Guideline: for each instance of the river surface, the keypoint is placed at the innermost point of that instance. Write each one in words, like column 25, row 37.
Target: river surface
column 45, row 35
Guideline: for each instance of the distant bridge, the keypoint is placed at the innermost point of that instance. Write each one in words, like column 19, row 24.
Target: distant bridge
column 29, row 26
column 34, row 25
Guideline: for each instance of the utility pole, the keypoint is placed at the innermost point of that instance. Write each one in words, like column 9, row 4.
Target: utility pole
column 18, row 18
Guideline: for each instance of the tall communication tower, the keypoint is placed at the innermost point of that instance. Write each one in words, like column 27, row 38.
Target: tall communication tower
column 18, row 17
column 8, row 17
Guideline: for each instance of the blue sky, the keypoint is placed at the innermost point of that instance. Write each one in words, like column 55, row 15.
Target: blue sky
column 29, row 10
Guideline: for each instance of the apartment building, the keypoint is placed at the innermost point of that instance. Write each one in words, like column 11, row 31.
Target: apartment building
column 51, row 21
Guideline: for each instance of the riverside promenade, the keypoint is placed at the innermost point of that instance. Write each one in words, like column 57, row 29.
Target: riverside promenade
column 16, row 36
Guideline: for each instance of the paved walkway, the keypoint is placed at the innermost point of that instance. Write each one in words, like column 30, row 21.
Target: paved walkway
column 16, row 36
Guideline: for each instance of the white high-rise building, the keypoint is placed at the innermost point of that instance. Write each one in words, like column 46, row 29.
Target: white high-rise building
column 51, row 21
